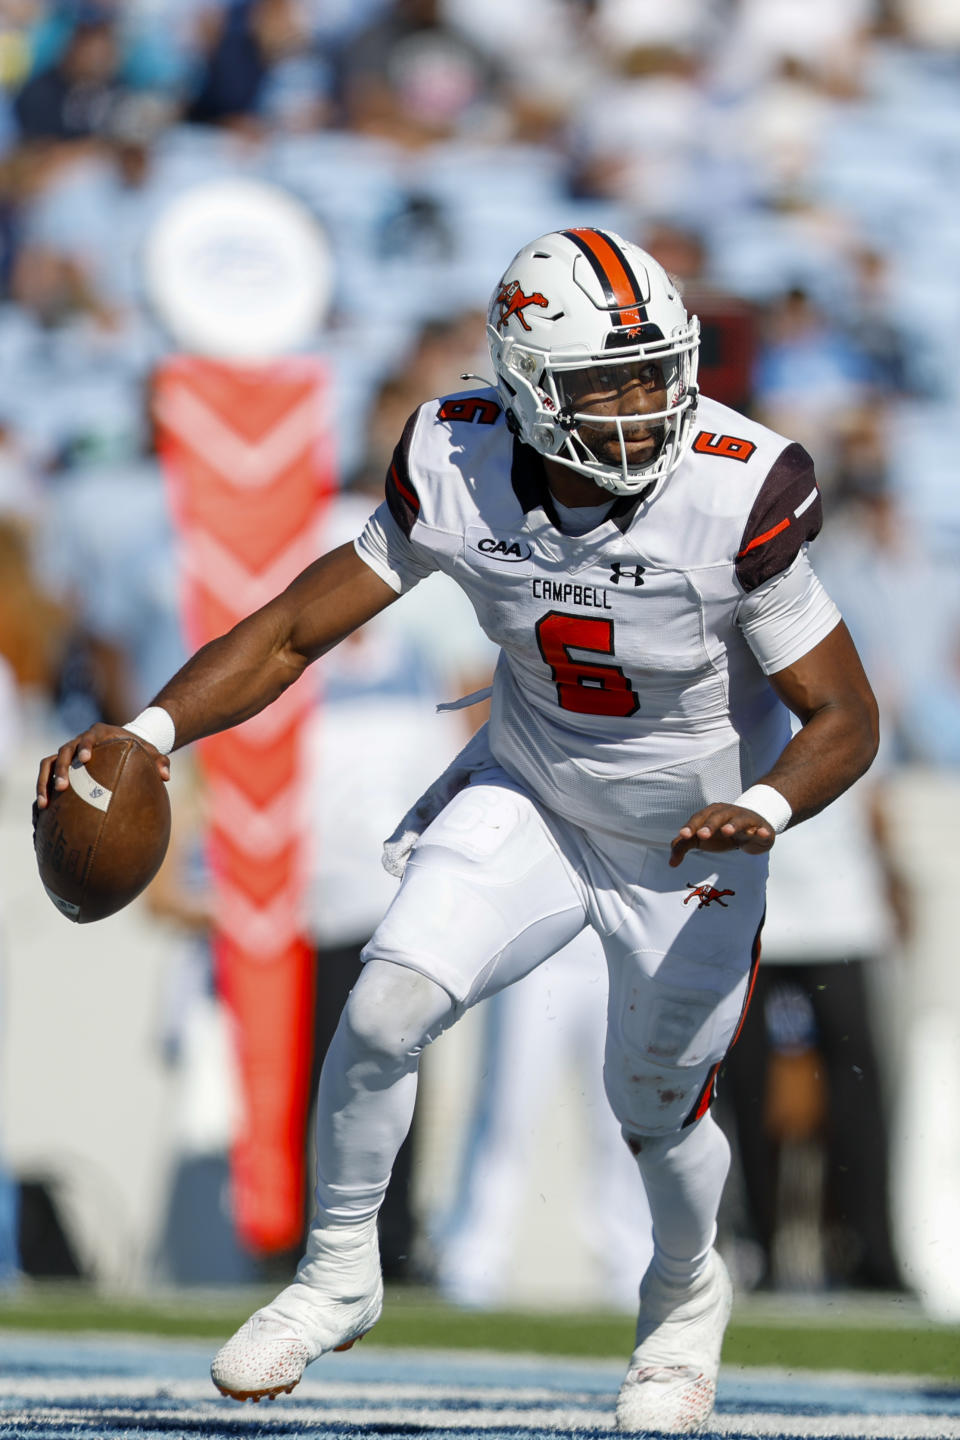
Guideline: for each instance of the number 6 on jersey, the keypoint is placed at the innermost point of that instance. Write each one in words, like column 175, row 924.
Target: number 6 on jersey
column 589, row 689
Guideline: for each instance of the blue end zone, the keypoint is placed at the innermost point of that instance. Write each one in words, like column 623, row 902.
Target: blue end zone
column 111, row 1389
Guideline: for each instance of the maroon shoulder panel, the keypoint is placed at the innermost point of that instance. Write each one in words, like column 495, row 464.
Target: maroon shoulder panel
column 786, row 514
column 402, row 497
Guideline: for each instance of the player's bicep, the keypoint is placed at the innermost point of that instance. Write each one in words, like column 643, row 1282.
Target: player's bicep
column 329, row 600
column 828, row 677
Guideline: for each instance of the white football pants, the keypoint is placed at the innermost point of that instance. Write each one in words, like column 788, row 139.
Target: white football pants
column 492, row 888
column 541, row 1042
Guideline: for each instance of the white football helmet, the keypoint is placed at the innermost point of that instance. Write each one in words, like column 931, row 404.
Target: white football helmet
column 578, row 300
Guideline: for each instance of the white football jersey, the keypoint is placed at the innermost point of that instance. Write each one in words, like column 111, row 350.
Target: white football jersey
column 630, row 689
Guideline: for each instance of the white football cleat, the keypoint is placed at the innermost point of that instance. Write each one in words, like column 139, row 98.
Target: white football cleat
column 671, row 1384
column 335, row 1299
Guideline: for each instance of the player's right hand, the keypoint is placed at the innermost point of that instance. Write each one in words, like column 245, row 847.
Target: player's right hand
column 723, row 827
column 52, row 775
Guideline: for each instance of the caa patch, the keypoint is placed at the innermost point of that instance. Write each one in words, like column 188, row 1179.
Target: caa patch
column 504, row 549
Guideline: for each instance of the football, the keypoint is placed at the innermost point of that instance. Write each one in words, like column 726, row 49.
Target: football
column 102, row 840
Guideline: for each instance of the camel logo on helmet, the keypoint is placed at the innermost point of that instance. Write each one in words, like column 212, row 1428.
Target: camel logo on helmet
column 512, row 301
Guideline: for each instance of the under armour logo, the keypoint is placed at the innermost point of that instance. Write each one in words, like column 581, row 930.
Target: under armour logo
column 618, row 573
column 706, row 895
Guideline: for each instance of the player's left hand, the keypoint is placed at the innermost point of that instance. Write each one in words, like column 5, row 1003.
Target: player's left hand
column 723, row 827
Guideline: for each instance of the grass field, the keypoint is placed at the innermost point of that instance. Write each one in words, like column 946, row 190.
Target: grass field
column 826, row 1333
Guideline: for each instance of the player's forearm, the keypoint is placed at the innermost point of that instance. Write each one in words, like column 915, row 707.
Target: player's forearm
column 829, row 692
column 832, row 750
column 831, row 696
column 242, row 672
column 229, row 680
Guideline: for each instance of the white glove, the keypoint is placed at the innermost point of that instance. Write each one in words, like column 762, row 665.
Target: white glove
column 473, row 757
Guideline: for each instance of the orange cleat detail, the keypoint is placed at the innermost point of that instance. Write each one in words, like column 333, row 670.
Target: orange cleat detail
column 255, row 1395
column 349, row 1344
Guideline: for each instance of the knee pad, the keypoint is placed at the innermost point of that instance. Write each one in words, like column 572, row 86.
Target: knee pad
column 393, row 1012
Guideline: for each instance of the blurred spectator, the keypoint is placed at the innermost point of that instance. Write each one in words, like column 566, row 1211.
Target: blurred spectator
column 93, row 216
column 33, row 626
column 413, row 78
column 261, row 72
column 728, row 325
column 934, row 23
column 780, row 125
column 901, row 605
column 80, row 218
column 72, row 98
column 827, row 36
column 162, row 42
column 642, row 145
column 546, row 52
column 21, row 493
column 199, row 1244
column 440, row 353
column 444, row 350
column 418, row 228
column 16, row 17
column 805, row 1071
column 32, row 630
column 808, row 374
column 10, row 725
column 9, row 218
column 335, row 23
column 624, row 25
column 681, row 250
column 111, row 550
column 56, row 289
column 872, row 322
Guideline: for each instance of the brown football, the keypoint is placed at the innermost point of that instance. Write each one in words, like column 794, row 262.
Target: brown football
column 102, row 840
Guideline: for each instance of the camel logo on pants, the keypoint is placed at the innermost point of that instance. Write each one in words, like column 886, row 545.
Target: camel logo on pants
column 706, row 895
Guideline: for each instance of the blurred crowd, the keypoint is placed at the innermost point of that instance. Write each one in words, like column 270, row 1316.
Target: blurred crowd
column 794, row 162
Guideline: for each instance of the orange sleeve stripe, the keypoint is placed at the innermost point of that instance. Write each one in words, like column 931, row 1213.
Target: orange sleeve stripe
column 767, row 535
column 407, row 494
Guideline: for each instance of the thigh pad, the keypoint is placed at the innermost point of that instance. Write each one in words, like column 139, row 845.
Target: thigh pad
column 485, row 891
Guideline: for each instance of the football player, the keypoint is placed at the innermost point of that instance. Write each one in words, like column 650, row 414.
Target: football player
column 639, row 554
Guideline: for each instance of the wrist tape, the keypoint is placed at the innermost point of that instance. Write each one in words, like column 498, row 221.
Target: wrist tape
column 156, row 727
column 769, row 804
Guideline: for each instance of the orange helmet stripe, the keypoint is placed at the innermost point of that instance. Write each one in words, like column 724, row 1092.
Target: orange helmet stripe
column 613, row 272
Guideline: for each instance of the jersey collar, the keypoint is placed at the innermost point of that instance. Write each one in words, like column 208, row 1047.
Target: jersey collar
column 529, row 481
